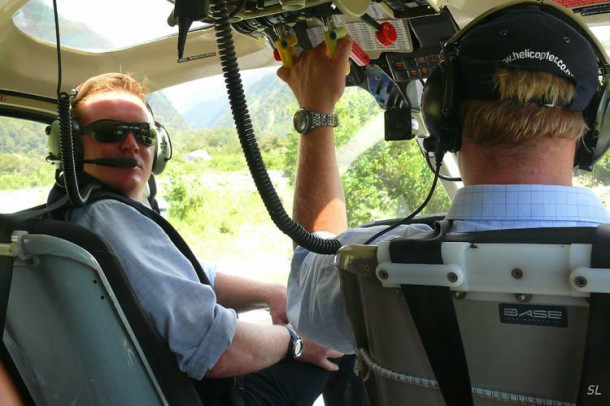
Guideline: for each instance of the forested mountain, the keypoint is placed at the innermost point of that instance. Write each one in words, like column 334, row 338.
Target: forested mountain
column 206, row 113
column 215, row 112
column 22, row 137
column 166, row 114
column 271, row 105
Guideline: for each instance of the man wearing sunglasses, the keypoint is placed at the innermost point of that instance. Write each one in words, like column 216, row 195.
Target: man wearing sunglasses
column 127, row 135
column 191, row 305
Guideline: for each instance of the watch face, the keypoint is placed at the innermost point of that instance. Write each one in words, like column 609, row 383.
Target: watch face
column 302, row 121
column 298, row 348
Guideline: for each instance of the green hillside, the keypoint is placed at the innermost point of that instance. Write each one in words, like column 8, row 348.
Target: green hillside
column 166, row 114
column 22, row 137
column 271, row 105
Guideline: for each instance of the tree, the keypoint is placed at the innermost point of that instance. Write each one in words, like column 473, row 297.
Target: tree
column 389, row 181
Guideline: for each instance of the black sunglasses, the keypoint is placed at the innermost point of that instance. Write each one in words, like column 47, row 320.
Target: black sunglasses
column 116, row 130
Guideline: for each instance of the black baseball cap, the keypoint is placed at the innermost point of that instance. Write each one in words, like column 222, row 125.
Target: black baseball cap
column 526, row 38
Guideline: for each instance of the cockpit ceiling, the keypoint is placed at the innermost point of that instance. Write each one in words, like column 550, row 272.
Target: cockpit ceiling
column 30, row 64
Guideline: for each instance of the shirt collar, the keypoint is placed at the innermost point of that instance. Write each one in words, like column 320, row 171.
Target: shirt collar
column 527, row 202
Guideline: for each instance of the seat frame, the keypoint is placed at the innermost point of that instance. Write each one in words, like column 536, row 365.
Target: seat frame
column 85, row 278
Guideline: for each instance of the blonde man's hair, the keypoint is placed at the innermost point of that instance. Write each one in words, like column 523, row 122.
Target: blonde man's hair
column 529, row 107
column 107, row 82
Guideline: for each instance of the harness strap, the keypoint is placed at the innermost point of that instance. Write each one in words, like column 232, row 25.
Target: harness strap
column 434, row 316
column 595, row 376
column 432, row 311
column 6, row 276
column 171, row 232
column 98, row 191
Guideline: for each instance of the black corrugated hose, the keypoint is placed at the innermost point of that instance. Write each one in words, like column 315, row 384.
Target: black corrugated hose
column 241, row 116
column 67, row 152
column 66, row 146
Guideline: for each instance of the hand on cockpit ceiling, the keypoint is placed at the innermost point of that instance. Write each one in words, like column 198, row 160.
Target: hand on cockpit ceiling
column 316, row 79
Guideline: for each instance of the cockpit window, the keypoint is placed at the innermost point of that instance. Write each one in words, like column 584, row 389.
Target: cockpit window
column 98, row 26
column 602, row 33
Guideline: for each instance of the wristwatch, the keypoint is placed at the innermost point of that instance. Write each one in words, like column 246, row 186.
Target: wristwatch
column 295, row 346
column 304, row 120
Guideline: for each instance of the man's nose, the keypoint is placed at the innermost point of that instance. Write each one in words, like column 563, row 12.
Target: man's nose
column 129, row 141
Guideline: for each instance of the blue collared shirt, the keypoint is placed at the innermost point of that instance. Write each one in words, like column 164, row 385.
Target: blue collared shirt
column 315, row 303
column 184, row 311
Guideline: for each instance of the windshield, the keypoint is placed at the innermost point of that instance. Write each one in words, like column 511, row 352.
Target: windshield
column 85, row 24
column 602, row 33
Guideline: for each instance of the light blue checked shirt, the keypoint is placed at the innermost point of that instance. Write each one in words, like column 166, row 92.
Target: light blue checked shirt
column 315, row 303
column 184, row 311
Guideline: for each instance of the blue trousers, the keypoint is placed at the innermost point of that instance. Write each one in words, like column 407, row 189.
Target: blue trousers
column 294, row 383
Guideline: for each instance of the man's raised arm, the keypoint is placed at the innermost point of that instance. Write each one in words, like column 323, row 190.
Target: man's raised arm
column 318, row 81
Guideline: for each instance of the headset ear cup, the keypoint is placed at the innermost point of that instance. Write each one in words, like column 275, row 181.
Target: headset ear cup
column 596, row 140
column 54, row 141
column 431, row 106
column 439, row 114
column 163, row 149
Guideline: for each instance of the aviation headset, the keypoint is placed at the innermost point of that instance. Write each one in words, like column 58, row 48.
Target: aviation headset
column 163, row 145
column 441, row 95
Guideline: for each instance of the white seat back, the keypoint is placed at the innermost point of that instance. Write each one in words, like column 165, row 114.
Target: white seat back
column 522, row 311
column 66, row 333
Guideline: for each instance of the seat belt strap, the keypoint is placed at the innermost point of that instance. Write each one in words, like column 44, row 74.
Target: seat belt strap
column 6, row 265
column 434, row 316
column 594, row 387
column 6, row 276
